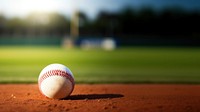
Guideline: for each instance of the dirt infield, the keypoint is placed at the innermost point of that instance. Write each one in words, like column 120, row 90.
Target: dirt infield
column 103, row 98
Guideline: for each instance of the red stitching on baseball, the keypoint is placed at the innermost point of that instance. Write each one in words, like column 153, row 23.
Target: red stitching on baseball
column 56, row 73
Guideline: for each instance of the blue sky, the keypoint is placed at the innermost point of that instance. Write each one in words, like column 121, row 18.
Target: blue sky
column 21, row 8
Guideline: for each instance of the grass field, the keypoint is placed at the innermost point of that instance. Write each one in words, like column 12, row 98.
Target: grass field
column 124, row 65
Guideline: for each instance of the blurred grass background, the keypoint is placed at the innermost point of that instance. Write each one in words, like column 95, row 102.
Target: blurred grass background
column 19, row 64
column 154, row 41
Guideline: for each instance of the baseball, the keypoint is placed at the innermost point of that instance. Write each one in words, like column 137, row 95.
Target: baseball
column 56, row 81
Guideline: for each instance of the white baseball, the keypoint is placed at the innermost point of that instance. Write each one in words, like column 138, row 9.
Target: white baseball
column 56, row 81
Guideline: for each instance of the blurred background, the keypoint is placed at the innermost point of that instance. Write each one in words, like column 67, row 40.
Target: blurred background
column 129, row 22
column 107, row 41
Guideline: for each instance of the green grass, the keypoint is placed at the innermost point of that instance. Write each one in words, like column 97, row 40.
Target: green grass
column 124, row 65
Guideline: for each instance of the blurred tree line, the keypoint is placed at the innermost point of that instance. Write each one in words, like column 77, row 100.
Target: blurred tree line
column 35, row 24
column 146, row 22
column 127, row 23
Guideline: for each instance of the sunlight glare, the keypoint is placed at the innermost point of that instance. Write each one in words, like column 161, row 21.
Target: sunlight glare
column 26, row 6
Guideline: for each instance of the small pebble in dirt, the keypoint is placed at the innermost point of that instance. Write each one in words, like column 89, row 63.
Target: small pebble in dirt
column 114, row 107
column 43, row 103
column 13, row 96
column 105, row 108
column 55, row 105
column 67, row 109
column 28, row 94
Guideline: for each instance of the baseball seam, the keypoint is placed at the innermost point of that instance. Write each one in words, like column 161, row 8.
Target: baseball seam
column 56, row 73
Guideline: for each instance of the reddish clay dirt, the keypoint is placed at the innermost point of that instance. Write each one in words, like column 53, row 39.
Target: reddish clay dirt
column 103, row 98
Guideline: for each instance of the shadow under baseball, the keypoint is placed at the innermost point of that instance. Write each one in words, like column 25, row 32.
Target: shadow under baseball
column 93, row 96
